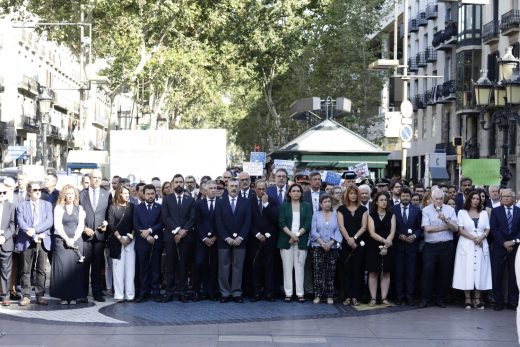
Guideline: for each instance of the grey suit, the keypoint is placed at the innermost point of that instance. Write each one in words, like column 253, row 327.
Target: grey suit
column 94, row 247
column 6, row 250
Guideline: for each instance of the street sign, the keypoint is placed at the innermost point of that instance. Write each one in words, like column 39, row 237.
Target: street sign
column 406, row 109
column 17, row 152
column 257, row 157
column 406, row 145
column 406, row 133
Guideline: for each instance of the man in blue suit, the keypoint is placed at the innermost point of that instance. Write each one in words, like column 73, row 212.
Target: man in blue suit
column 505, row 230
column 34, row 239
column 178, row 216
column 7, row 233
column 262, row 241
column 279, row 190
column 233, row 220
column 148, row 244
column 408, row 229
column 206, row 254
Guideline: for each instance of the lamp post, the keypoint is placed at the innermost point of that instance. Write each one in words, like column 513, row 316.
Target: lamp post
column 44, row 106
column 504, row 107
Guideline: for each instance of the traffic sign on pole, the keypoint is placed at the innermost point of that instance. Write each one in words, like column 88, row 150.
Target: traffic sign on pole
column 406, row 133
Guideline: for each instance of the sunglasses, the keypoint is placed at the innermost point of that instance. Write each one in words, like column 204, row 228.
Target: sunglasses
column 36, row 190
column 3, row 193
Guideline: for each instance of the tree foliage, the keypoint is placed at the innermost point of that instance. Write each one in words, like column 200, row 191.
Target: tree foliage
column 236, row 64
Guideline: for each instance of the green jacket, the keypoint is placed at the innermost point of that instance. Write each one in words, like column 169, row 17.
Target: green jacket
column 285, row 220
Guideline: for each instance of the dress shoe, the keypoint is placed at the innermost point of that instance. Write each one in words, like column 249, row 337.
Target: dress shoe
column 441, row 304
column 167, row 298
column 409, row 302
column 6, row 302
column 422, row 304
column 184, row 299
column 99, row 298
column 238, row 299
column 498, row 307
column 156, row 298
column 255, row 298
column 25, row 301
column 15, row 296
column 41, row 301
column 224, row 299
column 511, row 307
column 141, row 298
column 196, row 297
column 270, row 298
column 82, row 301
column 398, row 302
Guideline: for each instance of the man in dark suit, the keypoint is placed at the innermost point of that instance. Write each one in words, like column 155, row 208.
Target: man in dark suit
column 279, row 190
column 261, row 243
column 206, row 253
column 408, row 229
column 34, row 222
column 7, row 234
column 233, row 220
column 148, row 244
column 466, row 185
column 95, row 201
column 178, row 216
column 395, row 193
column 505, row 230
column 244, row 181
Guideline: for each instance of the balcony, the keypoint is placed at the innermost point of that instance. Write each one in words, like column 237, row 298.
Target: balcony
column 421, row 59
column 431, row 11
column 412, row 65
column 413, row 100
column 437, row 97
column 28, row 84
column 54, row 132
column 30, row 124
column 413, row 25
column 445, row 147
column 449, row 90
column 419, row 100
column 445, row 40
column 490, row 32
column 431, row 55
column 428, row 98
column 509, row 25
column 422, row 21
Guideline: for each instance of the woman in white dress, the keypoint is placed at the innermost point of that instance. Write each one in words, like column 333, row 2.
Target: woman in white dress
column 472, row 272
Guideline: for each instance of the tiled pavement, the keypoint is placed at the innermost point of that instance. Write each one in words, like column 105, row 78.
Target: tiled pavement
column 258, row 324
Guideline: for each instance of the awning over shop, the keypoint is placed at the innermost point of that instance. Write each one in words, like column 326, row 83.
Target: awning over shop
column 439, row 173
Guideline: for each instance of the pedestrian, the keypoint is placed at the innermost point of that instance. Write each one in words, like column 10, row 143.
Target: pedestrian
column 325, row 240
column 295, row 218
column 7, row 235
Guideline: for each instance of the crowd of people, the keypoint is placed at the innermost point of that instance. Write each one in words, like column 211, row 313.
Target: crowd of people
column 228, row 237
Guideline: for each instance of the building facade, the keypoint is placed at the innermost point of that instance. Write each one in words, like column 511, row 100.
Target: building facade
column 448, row 44
column 32, row 66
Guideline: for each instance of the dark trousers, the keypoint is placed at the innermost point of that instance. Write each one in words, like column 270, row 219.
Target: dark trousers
column 149, row 262
column 177, row 258
column 437, row 258
column 230, row 264
column 94, row 252
column 404, row 271
column 263, row 268
column 351, row 265
column 502, row 261
column 205, row 279
column 35, row 251
column 308, row 281
column 324, row 270
column 5, row 271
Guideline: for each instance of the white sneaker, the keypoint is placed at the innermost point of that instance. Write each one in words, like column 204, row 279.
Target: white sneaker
column 317, row 300
column 64, row 302
column 72, row 302
column 330, row 301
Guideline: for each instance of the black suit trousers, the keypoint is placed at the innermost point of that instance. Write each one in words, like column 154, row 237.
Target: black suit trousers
column 94, row 252
column 149, row 262
column 404, row 270
column 263, row 267
column 437, row 259
column 35, row 250
column 205, row 278
column 502, row 261
column 5, row 270
column 177, row 257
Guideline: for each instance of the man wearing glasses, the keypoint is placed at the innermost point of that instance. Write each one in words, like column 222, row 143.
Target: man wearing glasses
column 34, row 222
column 278, row 191
column 7, row 232
column 505, row 230
column 95, row 201
column 244, row 180
column 191, row 186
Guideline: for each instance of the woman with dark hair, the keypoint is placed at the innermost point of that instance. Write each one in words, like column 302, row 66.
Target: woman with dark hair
column 381, row 227
column 295, row 223
column 485, row 201
column 352, row 222
column 166, row 189
column 67, row 269
column 325, row 241
column 336, row 195
column 121, row 244
column 472, row 270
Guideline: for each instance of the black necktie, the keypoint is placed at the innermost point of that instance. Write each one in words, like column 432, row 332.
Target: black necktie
column 211, row 209
column 149, row 207
column 405, row 216
column 179, row 200
column 260, row 206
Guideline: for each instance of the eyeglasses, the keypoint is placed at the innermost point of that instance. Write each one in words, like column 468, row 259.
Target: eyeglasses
column 3, row 193
column 36, row 190
column 227, row 176
column 220, row 188
column 189, row 182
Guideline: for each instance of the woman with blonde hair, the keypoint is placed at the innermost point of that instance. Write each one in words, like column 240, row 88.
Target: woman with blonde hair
column 67, row 266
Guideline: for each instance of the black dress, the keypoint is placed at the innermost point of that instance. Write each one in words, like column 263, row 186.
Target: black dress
column 120, row 218
column 374, row 261
column 66, row 272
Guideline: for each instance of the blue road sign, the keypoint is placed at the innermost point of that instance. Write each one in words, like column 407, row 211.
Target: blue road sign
column 17, row 152
column 257, row 157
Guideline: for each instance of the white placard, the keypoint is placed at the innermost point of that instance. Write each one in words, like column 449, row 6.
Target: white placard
column 253, row 169
column 284, row 164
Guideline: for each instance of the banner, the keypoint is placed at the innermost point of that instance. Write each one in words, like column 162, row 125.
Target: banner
column 253, row 169
column 284, row 164
column 333, row 178
column 483, row 172
column 360, row 169
column 257, row 157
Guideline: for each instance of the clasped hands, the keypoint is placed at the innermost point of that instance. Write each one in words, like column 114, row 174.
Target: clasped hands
column 327, row 245
column 234, row 242
column 407, row 239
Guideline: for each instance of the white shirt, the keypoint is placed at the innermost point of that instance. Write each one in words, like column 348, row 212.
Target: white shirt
column 315, row 200
column 209, row 203
column 430, row 217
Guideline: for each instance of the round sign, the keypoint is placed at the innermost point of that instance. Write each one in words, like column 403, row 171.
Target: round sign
column 406, row 109
column 406, row 133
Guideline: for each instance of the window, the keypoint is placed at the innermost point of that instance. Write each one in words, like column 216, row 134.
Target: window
column 434, row 125
column 415, row 129
column 424, row 126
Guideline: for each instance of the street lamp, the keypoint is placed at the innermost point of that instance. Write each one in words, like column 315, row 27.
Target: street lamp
column 44, row 106
column 504, row 109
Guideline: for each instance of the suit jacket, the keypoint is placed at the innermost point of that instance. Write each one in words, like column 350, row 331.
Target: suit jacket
column 8, row 227
column 144, row 219
column 414, row 215
column 267, row 220
column 174, row 216
column 500, row 229
column 17, row 198
column 25, row 222
column 229, row 223
column 94, row 218
column 272, row 191
column 204, row 219
column 307, row 197
column 285, row 220
column 459, row 202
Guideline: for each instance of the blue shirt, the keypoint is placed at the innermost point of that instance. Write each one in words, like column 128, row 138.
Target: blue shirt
column 325, row 230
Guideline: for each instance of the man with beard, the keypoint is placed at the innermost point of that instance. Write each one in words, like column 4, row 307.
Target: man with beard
column 178, row 216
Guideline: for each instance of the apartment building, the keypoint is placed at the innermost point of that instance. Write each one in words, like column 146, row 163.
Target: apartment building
column 448, row 44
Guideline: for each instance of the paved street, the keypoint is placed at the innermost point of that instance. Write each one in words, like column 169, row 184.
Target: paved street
column 259, row 324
